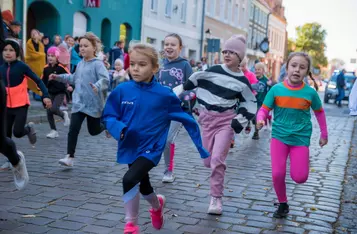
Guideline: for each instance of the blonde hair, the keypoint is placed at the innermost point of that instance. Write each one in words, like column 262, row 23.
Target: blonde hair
column 244, row 61
column 118, row 60
column 260, row 66
column 94, row 40
column 147, row 50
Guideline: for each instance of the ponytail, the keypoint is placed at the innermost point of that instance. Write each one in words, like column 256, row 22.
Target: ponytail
column 313, row 79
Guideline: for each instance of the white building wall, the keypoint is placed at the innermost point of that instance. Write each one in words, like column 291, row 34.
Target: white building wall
column 183, row 17
column 277, row 36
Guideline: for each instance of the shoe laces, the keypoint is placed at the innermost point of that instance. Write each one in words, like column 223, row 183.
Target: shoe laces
column 214, row 201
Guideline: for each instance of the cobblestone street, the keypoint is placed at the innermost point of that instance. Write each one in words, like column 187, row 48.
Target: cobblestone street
column 87, row 198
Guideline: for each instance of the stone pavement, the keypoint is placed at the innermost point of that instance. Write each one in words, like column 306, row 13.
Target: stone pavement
column 87, row 198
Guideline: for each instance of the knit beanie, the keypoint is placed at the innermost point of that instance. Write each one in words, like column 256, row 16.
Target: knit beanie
column 7, row 15
column 54, row 50
column 14, row 45
column 237, row 45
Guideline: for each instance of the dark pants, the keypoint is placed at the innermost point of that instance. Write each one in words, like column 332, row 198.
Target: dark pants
column 16, row 121
column 94, row 126
column 138, row 173
column 57, row 101
column 341, row 95
column 7, row 146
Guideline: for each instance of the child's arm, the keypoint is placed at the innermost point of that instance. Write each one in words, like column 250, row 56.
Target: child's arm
column 188, row 72
column 246, row 111
column 321, row 119
column 177, row 114
column 30, row 74
column 190, row 84
column 111, row 116
column 267, row 106
column 102, row 77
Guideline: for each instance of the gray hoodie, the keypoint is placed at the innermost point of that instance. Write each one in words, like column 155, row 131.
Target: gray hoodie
column 174, row 73
column 84, row 98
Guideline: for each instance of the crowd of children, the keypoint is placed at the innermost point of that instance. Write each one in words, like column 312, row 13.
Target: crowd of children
column 148, row 106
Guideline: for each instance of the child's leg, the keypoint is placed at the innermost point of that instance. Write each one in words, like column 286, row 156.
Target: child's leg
column 136, row 173
column 279, row 154
column 207, row 135
column 94, row 125
column 74, row 128
column 299, row 163
column 169, row 151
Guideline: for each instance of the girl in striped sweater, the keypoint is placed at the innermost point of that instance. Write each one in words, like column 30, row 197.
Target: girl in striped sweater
column 220, row 90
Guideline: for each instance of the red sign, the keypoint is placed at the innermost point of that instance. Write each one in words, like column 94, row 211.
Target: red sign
column 92, row 3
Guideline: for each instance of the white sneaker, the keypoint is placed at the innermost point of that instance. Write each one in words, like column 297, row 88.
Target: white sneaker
column 53, row 134
column 168, row 177
column 66, row 161
column 6, row 166
column 67, row 121
column 21, row 177
column 215, row 207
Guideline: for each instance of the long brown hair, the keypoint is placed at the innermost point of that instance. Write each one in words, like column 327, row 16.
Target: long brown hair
column 308, row 59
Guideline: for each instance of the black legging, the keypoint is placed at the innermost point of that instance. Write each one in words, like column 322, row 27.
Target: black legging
column 7, row 146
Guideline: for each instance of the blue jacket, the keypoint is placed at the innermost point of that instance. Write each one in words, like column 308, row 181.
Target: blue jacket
column 341, row 80
column 143, row 112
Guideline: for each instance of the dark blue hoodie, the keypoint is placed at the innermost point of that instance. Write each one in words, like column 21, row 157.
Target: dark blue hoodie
column 174, row 73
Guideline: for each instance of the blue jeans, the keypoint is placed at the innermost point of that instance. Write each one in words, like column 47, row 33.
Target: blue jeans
column 341, row 95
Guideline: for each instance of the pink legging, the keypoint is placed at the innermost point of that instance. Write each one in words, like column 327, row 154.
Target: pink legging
column 299, row 165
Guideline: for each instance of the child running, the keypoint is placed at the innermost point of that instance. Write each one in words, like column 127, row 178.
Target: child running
column 13, row 73
column 175, row 71
column 291, row 101
column 56, row 90
column 138, row 115
column 91, row 80
column 261, row 88
column 219, row 89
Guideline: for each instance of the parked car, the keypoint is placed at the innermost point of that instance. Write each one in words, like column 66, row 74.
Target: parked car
column 331, row 91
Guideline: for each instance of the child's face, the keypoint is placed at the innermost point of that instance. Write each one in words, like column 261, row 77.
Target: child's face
column 46, row 41
column 86, row 49
column 51, row 58
column 231, row 60
column 259, row 72
column 297, row 69
column 172, row 48
column 118, row 66
column 9, row 54
column 70, row 41
column 141, row 67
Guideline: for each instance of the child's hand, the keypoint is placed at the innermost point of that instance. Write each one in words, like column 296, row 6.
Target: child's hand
column 95, row 90
column 47, row 102
column 52, row 77
column 260, row 124
column 323, row 142
column 69, row 89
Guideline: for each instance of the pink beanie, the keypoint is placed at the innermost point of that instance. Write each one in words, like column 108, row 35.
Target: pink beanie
column 54, row 50
column 237, row 45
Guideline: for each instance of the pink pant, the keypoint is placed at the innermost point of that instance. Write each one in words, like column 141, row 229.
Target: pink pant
column 299, row 165
column 216, row 138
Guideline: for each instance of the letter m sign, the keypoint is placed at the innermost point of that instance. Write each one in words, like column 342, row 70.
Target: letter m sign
column 92, row 3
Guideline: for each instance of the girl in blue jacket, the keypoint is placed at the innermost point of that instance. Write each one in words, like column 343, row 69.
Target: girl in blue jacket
column 138, row 115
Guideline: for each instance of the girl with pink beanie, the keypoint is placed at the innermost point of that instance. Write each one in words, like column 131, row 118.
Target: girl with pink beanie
column 56, row 90
column 228, row 104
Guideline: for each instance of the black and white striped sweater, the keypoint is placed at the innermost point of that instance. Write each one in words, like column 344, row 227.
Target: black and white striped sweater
column 219, row 89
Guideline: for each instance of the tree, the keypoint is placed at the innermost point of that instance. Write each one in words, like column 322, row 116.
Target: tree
column 311, row 39
column 291, row 46
column 337, row 63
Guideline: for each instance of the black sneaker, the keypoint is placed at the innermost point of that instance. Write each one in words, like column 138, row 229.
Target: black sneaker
column 256, row 135
column 32, row 133
column 282, row 210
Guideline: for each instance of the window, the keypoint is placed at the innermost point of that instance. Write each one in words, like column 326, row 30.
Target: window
column 183, row 11
column 256, row 15
column 228, row 11
column 251, row 13
column 153, row 5
column 217, row 7
column 222, row 9
column 151, row 41
column 236, row 14
column 243, row 16
column 212, row 7
column 168, row 8
column 195, row 13
column 250, row 35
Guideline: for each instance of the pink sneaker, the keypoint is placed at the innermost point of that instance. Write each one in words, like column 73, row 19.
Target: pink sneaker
column 157, row 217
column 130, row 228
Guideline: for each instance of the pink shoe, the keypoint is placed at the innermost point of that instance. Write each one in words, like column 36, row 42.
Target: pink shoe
column 130, row 228
column 157, row 217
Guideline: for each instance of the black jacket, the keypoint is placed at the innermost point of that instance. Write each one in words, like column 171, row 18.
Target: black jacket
column 54, row 87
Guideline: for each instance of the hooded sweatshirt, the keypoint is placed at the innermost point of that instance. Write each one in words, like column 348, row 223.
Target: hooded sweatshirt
column 85, row 100
column 174, row 73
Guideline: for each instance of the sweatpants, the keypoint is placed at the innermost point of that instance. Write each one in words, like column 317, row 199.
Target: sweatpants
column 135, row 181
column 57, row 101
column 16, row 122
column 7, row 146
column 94, row 125
column 169, row 151
column 299, row 165
column 217, row 134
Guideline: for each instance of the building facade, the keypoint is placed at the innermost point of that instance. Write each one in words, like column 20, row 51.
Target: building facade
column 184, row 17
column 277, row 38
column 223, row 19
column 110, row 20
column 259, row 13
